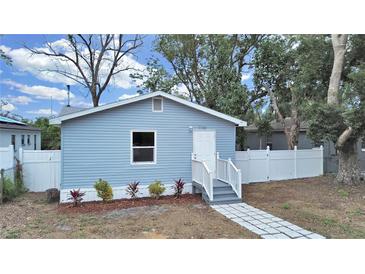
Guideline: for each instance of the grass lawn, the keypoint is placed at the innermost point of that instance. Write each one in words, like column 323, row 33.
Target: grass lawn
column 29, row 216
column 316, row 204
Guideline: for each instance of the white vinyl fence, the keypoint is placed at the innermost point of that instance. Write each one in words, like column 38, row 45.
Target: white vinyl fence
column 41, row 169
column 270, row 165
column 6, row 157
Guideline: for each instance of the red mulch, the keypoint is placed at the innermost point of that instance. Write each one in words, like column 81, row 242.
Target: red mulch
column 98, row 206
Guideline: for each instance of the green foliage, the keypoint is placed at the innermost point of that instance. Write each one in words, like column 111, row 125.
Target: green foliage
column 103, row 190
column 325, row 122
column 156, row 78
column 50, row 134
column 211, row 68
column 343, row 193
column 9, row 190
column 293, row 64
column 156, row 189
column 286, row 206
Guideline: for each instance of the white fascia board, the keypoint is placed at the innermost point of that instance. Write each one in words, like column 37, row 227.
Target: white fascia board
column 58, row 120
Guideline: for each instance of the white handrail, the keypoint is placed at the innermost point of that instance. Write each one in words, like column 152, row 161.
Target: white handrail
column 230, row 174
column 203, row 176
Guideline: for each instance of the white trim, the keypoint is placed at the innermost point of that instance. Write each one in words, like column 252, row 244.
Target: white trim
column 58, row 120
column 154, row 147
column 363, row 149
column 153, row 104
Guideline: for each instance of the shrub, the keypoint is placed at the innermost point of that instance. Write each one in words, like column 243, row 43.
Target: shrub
column 76, row 197
column 156, row 189
column 104, row 190
column 178, row 187
column 286, row 206
column 9, row 190
column 133, row 189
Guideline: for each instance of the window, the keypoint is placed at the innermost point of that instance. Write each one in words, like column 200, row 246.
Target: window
column 35, row 142
column 157, row 105
column 13, row 140
column 143, row 147
column 28, row 140
column 23, row 140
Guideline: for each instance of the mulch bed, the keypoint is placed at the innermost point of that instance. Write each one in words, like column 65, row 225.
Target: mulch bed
column 99, row 206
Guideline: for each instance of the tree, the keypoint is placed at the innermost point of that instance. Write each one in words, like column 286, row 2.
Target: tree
column 341, row 118
column 50, row 134
column 155, row 78
column 5, row 58
column 291, row 68
column 94, row 59
column 211, row 68
column 263, row 124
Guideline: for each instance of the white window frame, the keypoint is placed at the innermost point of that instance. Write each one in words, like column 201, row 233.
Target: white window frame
column 362, row 144
column 154, row 147
column 153, row 104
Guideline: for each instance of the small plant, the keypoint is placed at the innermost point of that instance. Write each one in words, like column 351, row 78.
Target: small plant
column 156, row 189
column 178, row 187
column 133, row 189
column 343, row 193
column 76, row 197
column 104, row 190
column 286, row 206
column 9, row 190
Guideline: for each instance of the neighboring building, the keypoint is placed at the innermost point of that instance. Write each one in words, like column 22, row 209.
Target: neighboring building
column 19, row 134
column 277, row 141
column 144, row 138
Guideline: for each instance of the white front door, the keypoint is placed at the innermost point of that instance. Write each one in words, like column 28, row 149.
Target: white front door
column 204, row 147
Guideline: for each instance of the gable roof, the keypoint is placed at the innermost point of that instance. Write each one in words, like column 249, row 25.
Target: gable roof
column 8, row 123
column 60, row 119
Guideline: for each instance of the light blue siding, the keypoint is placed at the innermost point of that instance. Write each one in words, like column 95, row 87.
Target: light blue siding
column 98, row 145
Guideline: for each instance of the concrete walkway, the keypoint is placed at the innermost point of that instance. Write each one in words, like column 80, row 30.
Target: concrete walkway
column 262, row 223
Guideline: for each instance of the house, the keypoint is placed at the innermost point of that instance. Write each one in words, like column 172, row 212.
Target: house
column 18, row 134
column 277, row 141
column 151, row 137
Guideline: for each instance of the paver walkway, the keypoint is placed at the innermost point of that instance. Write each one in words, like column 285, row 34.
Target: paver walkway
column 262, row 223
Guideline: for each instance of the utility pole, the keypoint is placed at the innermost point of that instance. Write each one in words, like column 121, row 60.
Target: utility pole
column 68, row 95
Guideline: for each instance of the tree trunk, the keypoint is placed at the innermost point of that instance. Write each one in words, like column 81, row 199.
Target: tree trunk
column 348, row 164
column 339, row 49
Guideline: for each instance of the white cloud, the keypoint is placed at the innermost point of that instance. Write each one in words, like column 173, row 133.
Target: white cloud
column 181, row 90
column 42, row 111
column 245, row 76
column 1, row 71
column 40, row 92
column 8, row 107
column 39, row 65
column 78, row 102
column 21, row 100
column 127, row 96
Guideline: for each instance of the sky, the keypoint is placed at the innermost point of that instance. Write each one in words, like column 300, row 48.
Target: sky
column 31, row 91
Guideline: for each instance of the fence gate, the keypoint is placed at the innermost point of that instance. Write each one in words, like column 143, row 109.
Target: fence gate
column 41, row 169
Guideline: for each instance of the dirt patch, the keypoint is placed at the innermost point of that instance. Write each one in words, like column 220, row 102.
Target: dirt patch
column 29, row 216
column 129, row 203
column 317, row 204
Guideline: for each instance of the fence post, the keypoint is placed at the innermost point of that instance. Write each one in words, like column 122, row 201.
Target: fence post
column 248, row 166
column 268, row 163
column 2, row 179
column 321, row 170
column 21, row 155
column 295, row 162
